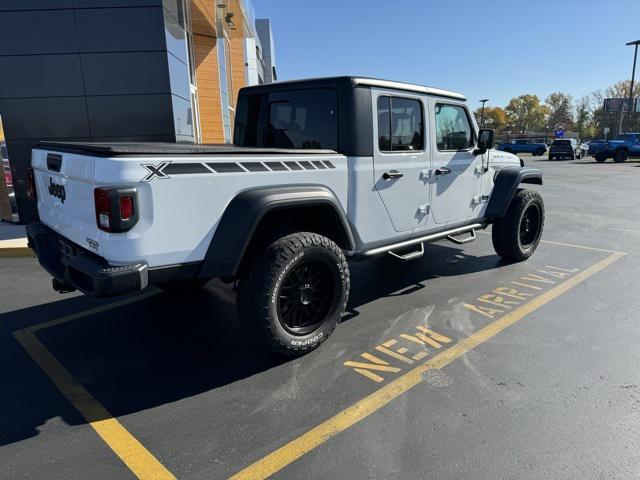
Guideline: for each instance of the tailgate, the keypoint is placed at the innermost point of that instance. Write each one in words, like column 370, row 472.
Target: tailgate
column 64, row 186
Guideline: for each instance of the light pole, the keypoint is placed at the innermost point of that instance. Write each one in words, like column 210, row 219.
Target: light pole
column 484, row 100
column 633, row 75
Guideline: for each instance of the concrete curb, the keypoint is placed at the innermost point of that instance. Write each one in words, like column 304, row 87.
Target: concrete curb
column 15, row 248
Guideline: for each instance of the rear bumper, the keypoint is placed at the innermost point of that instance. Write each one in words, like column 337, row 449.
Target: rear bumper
column 74, row 268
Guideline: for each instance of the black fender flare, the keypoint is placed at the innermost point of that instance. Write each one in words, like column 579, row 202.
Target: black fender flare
column 243, row 214
column 505, row 185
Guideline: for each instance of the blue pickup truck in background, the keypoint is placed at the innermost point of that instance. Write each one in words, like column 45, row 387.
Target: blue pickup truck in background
column 522, row 145
column 625, row 145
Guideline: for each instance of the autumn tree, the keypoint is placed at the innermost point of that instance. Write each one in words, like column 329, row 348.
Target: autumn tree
column 494, row 117
column 526, row 112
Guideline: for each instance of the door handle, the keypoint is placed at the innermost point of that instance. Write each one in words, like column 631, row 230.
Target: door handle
column 392, row 174
column 443, row 171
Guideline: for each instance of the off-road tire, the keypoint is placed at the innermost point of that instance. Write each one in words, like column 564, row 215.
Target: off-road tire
column 620, row 156
column 505, row 232
column 261, row 285
column 600, row 158
column 184, row 286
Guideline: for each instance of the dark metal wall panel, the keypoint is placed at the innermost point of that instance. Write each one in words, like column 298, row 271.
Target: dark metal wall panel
column 89, row 70
column 40, row 76
column 6, row 5
column 130, row 115
column 120, row 29
column 54, row 117
column 37, row 31
column 125, row 73
column 116, row 3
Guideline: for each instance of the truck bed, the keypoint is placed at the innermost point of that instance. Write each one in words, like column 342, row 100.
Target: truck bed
column 163, row 149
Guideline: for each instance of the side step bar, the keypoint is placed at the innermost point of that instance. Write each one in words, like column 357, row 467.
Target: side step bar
column 405, row 257
column 448, row 234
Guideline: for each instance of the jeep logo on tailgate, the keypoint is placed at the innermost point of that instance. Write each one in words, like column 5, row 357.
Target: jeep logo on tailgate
column 57, row 190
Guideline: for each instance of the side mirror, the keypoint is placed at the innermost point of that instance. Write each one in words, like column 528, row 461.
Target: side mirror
column 486, row 139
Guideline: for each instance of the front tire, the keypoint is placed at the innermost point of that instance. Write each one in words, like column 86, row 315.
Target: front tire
column 294, row 293
column 517, row 235
column 600, row 158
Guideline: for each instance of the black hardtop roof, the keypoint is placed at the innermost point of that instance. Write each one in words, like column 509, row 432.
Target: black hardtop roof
column 112, row 149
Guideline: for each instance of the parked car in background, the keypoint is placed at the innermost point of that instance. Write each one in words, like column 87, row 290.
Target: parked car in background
column 584, row 147
column 523, row 145
column 4, row 159
column 625, row 145
column 564, row 148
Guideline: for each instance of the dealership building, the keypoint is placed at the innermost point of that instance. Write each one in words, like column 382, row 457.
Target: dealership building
column 123, row 70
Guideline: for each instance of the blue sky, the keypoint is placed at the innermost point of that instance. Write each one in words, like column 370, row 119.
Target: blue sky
column 494, row 49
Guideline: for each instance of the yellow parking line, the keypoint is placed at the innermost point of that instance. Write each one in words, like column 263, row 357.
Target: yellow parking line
column 315, row 437
column 15, row 248
column 134, row 455
column 572, row 245
column 137, row 458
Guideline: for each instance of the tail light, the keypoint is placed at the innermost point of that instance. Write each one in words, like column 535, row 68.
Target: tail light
column 31, row 184
column 116, row 208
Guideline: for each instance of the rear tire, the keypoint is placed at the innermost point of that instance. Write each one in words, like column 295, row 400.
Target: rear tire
column 539, row 153
column 620, row 156
column 551, row 158
column 517, row 235
column 294, row 293
column 600, row 158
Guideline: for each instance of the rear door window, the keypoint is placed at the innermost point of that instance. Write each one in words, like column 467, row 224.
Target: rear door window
column 400, row 124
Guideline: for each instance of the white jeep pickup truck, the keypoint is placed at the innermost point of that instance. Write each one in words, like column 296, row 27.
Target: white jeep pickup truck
column 322, row 171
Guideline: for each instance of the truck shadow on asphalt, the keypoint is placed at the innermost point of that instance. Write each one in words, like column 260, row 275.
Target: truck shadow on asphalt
column 165, row 348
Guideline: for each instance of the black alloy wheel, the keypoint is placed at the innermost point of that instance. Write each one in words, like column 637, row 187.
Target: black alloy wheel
column 529, row 226
column 307, row 294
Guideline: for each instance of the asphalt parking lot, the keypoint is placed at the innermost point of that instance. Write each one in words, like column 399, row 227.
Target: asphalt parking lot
column 452, row 366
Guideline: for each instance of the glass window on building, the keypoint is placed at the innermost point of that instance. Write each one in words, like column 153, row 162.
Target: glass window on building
column 224, row 72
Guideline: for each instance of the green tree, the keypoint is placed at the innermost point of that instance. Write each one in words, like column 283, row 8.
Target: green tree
column 583, row 117
column 560, row 107
column 494, row 117
column 526, row 113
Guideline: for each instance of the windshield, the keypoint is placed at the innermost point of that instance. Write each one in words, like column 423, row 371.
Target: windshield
column 563, row 143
